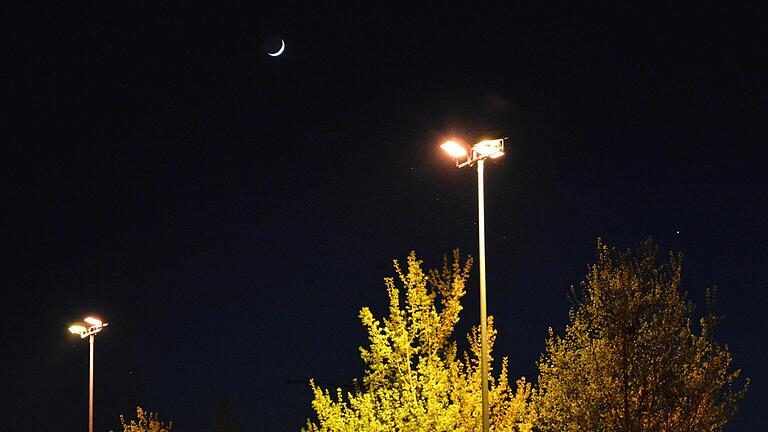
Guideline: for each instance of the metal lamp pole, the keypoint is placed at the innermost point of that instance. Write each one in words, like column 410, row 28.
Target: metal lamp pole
column 483, row 150
column 483, row 312
column 90, row 386
column 90, row 332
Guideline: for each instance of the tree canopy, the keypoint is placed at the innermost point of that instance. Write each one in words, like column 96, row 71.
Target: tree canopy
column 632, row 357
column 145, row 421
column 414, row 378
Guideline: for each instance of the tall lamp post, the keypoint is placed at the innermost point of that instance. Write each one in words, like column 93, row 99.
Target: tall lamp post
column 94, row 326
column 477, row 154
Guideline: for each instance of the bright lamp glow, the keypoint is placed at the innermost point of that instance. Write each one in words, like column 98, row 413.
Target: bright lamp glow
column 454, row 149
column 76, row 329
column 92, row 321
column 490, row 148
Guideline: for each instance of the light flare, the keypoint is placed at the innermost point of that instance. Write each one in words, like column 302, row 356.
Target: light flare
column 93, row 321
column 454, row 149
column 76, row 329
column 490, row 148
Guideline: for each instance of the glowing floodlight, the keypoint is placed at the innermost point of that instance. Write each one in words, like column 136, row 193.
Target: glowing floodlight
column 490, row 148
column 454, row 149
column 93, row 321
column 77, row 329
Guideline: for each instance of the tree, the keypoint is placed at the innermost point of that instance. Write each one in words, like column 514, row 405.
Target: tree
column 630, row 359
column 145, row 421
column 414, row 380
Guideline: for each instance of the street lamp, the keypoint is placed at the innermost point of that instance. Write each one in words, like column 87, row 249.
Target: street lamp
column 95, row 326
column 477, row 154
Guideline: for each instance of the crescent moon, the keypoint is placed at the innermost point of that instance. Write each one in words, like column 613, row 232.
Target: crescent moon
column 280, row 51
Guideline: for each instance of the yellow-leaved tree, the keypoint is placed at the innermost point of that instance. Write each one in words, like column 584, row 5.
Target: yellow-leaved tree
column 414, row 378
column 145, row 421
column 631, row 360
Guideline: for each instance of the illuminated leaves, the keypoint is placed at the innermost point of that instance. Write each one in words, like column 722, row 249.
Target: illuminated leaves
column 414, row 379
column 630, row 359
column 145, row 421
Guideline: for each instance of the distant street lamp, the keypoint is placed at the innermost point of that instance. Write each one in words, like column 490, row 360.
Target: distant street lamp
column 95, row 326
column 488, row 149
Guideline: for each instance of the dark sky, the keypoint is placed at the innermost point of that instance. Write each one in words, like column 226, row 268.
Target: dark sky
column 229, row 212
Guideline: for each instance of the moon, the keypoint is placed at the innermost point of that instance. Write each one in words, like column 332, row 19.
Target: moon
column 280, row 51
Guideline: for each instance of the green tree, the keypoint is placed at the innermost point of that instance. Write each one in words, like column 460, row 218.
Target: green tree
column 414, row 379
column 631, row 360
column 145, row 421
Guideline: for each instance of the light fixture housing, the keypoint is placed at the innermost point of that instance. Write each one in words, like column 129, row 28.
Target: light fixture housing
column 490, row 148
column 486, row 149
column 95, row 325
column 454, row 149
column 77, row 329
column 93, row 321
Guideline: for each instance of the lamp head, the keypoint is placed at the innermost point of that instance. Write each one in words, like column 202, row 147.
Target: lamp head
column 490, row 148
column 95, row 325
column 77, row 329
column 454, row 149
column 93, row 321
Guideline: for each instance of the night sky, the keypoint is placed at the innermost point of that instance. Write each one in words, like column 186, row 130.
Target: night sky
column 229, row 213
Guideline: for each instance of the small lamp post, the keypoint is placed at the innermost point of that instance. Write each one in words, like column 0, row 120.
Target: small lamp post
column 94, row 326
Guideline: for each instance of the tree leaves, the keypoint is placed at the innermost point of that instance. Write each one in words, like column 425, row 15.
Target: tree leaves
column 630, row 360
column 414, row 380
column 145, row 421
